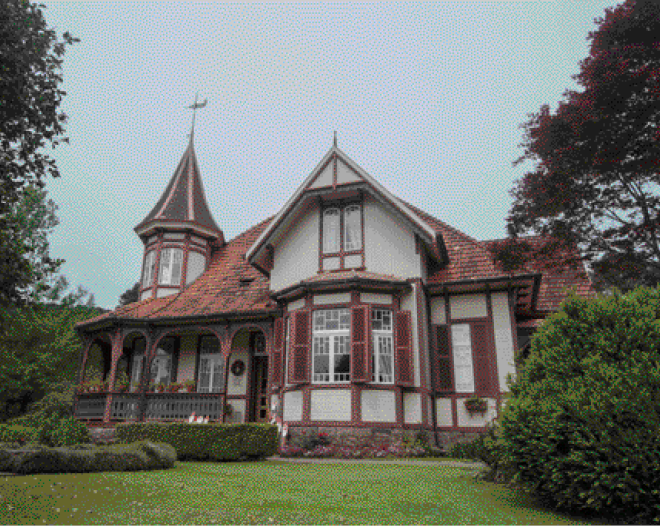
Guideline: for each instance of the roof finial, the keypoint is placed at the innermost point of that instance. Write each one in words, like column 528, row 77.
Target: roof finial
column 194, row 108
column 335, row 140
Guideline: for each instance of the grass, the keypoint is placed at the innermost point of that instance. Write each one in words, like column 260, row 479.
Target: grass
column 271, row 492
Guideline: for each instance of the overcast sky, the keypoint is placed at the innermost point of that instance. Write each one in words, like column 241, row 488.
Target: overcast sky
column 427, row 97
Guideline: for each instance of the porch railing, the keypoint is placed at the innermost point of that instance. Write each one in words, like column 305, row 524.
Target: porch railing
column 178, row 407
column 159, row 407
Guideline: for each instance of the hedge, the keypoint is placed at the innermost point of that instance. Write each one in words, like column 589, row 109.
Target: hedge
column 138, row 456
column 17, row 433
column 218, row 442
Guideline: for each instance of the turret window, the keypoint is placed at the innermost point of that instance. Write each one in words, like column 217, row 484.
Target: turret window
column 196, row 266
column 170, row 266
column 149, row 267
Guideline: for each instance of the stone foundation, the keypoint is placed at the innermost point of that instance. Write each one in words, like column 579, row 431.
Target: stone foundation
column 446, row 439
column 102, row 435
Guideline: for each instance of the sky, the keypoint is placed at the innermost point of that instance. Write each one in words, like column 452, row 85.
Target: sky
column 427, row 97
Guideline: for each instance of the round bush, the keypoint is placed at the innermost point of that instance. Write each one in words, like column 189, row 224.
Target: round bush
column 582, row 427
column 68, row 431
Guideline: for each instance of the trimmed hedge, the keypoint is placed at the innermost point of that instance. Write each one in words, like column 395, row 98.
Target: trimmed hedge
column 206, row 441
column 17, row 433
column 138, row 456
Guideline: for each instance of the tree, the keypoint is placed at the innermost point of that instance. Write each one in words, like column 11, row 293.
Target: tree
column 40, row 350
column 30, row 95
column 581, row 428
column 130, row 296
column 596, row 177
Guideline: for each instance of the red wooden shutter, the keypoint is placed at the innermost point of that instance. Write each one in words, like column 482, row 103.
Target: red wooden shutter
column 442, row 366
column 403, row 349
column 299, row 363
column 483, row 353
column 276, row 362
column 361, row 344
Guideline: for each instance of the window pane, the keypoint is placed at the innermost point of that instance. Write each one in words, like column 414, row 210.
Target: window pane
column 177, row 260
column 321, row 350
column 204, row 376
column 218, row 366
column 342, row 359
column 352, row 228
column 209, row 345
column 331, row 230
column 165, row 267
column 149, row 262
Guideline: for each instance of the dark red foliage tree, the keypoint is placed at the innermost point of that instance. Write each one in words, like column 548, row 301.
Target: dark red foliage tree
column 596, row 179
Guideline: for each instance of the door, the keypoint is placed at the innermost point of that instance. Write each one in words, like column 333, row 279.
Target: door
column 260, row 409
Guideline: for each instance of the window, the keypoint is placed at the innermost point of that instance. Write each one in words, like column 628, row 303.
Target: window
column 342, row 237
column 196, row 266
column 383, row 354
column 211, row 369
column 170, row 266
column 149, row 267
column 331, row 350
column 161, row 365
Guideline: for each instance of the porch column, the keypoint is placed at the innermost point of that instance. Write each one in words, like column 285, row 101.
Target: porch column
column 149, row 351
column 117, row 342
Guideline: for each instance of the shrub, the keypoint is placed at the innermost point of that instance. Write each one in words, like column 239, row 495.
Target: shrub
column 17, row 433
column 131, row 457
column 582, row 428
column 69, row 431
column 206, row 442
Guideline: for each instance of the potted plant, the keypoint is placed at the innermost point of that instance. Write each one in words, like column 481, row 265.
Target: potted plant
column 161, row 387
column 95, row 385
column 189, row 386
column 121, row 382
column 174, row 387
column 476, row 405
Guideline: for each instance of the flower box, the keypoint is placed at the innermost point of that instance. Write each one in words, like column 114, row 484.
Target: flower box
column 476, row 405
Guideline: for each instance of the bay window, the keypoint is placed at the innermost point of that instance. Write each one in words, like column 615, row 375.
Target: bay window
column 171, row 260
column 331, row 350
column 382, row 344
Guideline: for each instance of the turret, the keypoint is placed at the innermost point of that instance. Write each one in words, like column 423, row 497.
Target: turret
column 179, row 234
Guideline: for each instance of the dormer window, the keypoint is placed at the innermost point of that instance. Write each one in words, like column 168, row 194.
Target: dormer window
column 341, row 237
column 149, row 268
column 170, row 266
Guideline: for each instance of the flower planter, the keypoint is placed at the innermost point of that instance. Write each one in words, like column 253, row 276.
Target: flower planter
column 476, row 406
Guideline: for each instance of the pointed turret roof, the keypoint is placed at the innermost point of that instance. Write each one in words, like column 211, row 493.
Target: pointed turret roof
column 183, row 202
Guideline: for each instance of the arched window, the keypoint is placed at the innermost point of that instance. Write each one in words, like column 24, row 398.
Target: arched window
column 170, row 266
column 331, row 231
column 149, row 267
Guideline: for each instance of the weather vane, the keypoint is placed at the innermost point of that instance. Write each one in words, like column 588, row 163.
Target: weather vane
column 194, row 108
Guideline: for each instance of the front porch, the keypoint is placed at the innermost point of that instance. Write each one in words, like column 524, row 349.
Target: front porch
column 136, row 375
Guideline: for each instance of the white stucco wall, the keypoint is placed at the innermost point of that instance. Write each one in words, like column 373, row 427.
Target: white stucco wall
column 503, row 337
column 443, row 412
column 468, row 306
column 293, row 406
column 438, row 314
column 412, row 408
column 330, row 405
column 328, row 299
column 408, row 303
column 389, row 243
column 324, row 178
column 187, row 358
column 237, row 385
column 378, row 406
column 295, row 305
column 345, row 174
column 475, row 420
column 238, row 413
column 372, row 297
column 296, row 250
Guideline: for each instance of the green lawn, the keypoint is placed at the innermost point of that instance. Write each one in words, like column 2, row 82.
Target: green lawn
column 269, row 493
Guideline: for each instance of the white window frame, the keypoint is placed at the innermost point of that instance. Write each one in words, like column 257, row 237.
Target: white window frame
column 167, row 276
column 382, row 340
column 356, row 245
column 213, row 361
column 149, row 267
column 331, row 231
column 331, row 340
column 136, row 371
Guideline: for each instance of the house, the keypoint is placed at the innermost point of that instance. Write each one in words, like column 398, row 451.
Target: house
column 350, row 312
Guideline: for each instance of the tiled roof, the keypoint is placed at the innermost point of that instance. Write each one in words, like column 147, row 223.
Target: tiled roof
column 183, row 200
column 232, row 286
